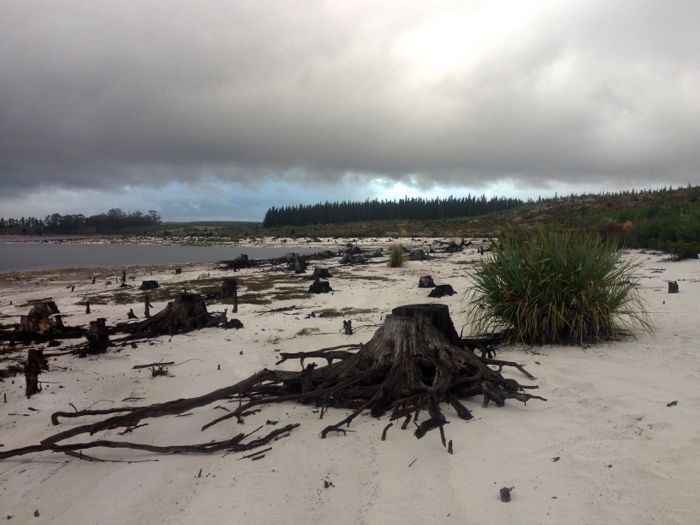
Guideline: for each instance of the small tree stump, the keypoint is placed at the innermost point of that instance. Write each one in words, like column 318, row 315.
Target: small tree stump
column 442, row 290
column 233, row 323
column 97, row 336
column 33, row 366
column 149, row 285
column 426, row 282
column 319, row 286
column 130, row 314
column 673, row 287
column 347, row 327
column 417, row 255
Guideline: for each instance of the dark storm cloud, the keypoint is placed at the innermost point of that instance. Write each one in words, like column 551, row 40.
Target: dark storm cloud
column 106, row 94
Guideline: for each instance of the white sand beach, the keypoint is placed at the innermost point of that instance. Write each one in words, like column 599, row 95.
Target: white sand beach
column 617, row 441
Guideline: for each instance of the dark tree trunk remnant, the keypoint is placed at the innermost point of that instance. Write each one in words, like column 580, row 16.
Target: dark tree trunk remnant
column 149, row 285
column 87, row 307
column 417, row 255
column 673, row 287
column 97, row 337
column 33, row 366
column 412, row 364
column 229, row 290
column 319, row 286
column 347, row 327
column 426, row 282
column 442, row 290
column 130, row 314
column 147, row 306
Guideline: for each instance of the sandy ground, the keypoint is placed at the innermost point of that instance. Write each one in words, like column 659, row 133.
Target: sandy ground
column 604, row 448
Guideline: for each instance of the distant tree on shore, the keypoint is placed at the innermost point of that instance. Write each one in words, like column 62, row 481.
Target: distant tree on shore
column 113, row 220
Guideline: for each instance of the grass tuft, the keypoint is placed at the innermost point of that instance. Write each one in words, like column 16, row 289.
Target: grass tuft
column 395, row 256
column 545, row 286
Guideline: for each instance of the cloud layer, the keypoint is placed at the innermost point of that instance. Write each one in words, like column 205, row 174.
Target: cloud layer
column 101, row 95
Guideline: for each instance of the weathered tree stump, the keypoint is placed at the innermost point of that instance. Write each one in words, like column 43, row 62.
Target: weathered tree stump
column 319, row 286
column 673, row 287
column 414, row 363
column 39, row 318
column 149, row 285
column 33, row 366
column 417, row 255
column 347, row 327
column 97, row 337
column 426, row 282
column 185, row 313
column 130, row 314
column 442, row 290
column 87, row 307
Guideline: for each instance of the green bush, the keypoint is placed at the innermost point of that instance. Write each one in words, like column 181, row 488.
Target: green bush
column 682, row 250
column 395, row 256
column 547, row 286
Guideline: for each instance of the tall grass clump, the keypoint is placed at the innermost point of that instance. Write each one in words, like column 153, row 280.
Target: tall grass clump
column 545, row 286
column 395, row 256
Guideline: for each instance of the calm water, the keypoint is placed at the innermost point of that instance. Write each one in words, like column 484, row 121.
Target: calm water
column 15, row 256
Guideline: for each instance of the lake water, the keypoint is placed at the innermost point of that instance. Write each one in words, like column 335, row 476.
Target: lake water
column 24, row 256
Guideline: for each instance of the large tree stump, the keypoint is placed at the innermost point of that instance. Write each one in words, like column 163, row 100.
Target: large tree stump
column 39, row 318
column 413, row 364
column 185, row 313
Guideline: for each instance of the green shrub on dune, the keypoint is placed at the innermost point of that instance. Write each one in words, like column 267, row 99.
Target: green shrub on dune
column 396, row 256
column 546, row 286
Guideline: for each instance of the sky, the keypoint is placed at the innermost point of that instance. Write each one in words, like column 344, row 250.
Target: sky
column 220, row 109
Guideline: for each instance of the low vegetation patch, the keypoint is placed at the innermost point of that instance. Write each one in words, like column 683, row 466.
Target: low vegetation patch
column 545, row 286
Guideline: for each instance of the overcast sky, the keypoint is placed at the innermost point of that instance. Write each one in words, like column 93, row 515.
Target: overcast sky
column 219, row 109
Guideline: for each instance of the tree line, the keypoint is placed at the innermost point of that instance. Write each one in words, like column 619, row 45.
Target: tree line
column 113, row 220
column 415, row 208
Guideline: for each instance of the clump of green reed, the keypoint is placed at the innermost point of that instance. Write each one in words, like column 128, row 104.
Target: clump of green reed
column 395, row 256
column 545, row 286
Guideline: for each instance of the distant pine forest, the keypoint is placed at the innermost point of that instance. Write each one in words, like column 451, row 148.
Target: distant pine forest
column 374, row 210
column 112, row 221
